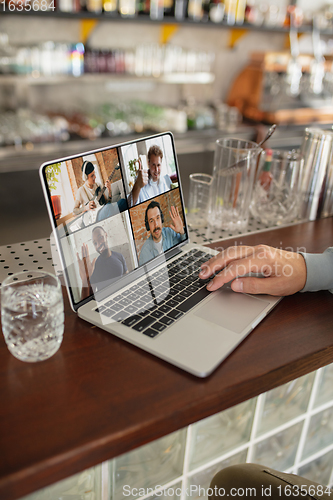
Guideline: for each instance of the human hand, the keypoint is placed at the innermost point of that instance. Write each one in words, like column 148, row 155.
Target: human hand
column 177, row 223
column 107, row 184
column 86, row 267
column 91, row 205
column 284, row 273
column 142, row 175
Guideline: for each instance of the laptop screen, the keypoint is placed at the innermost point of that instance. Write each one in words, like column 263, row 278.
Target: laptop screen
column 115, row 209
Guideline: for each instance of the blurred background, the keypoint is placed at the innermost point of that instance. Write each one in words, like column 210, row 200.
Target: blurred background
column 79, row 74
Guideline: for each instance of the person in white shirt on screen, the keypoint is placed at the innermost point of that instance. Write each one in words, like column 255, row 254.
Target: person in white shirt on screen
column 149, row 184
column 85, row 195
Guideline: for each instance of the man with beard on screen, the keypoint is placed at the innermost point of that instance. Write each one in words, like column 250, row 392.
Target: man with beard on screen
column 161, row 238
column 103, row 270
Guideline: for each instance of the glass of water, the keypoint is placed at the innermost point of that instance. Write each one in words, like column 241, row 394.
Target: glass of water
column 32, row 315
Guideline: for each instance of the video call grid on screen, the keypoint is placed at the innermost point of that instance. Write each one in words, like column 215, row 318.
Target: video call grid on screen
column 119, row 224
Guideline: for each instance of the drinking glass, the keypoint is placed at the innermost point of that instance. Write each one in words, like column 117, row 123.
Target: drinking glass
column 198, row 201
column 317, row 182
column 235, row 163
column 277, row 188
column 32, row 315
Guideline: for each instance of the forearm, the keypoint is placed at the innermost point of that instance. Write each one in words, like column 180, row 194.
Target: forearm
column 319, row 271
column 135, row 193
column 108, row 194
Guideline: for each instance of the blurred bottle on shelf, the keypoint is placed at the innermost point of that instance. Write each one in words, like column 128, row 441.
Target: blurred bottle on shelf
column 50, row 59
column 95, row 6
column 266, row 13
column 65, row 5
column 205, row 10
column 169, row 8
column 26, row 127
column 143, row 7
column 110, row 6
column 181, row 9
column 23, row 61
column 230, row 11
column 77, row 59
column 324, row 17
column 216, row 11
column 108, row 119
column 199, row 116
column 108, row 61
column 234, row 11
column 91, row 61
column 7, row 55
column 68, row 5
column 294, row 16
column 273, row 17
column 221, row 115
column 240, row 11
column 148, row 60
column 120, row 61
column 195, row 10
column 227, row 118
column 127, row 8
column 46, row 58
column 157, row 9
column 249, row 15
column 102, row 61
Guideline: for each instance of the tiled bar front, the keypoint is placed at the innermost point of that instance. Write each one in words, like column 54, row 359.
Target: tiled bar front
column 289, row 428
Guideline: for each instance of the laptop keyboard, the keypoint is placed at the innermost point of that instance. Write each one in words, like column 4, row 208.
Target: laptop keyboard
column 162, row 297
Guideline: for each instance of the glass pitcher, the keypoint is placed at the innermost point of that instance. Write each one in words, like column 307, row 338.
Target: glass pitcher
column 235, row 164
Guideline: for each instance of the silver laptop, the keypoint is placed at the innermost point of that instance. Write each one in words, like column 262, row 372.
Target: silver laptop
column 119, row 222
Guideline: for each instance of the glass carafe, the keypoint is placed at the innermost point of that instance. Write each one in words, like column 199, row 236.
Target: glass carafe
column 235, row 164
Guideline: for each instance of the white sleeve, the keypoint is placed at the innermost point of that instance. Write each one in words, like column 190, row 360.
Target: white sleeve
column 168, row 181
column 79, row 198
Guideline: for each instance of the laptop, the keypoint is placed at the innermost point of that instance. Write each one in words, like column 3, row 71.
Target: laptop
column 129, row 267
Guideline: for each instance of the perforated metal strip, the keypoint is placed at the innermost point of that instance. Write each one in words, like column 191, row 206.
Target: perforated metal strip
column 42, row 254
column 28, row 256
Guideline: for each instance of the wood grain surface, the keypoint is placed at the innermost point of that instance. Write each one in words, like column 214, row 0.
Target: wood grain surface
column 99, row 397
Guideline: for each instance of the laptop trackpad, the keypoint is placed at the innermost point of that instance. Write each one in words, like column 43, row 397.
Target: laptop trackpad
column 231, row 310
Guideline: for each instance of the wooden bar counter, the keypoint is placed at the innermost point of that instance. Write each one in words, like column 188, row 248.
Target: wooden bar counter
column 99, row 397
